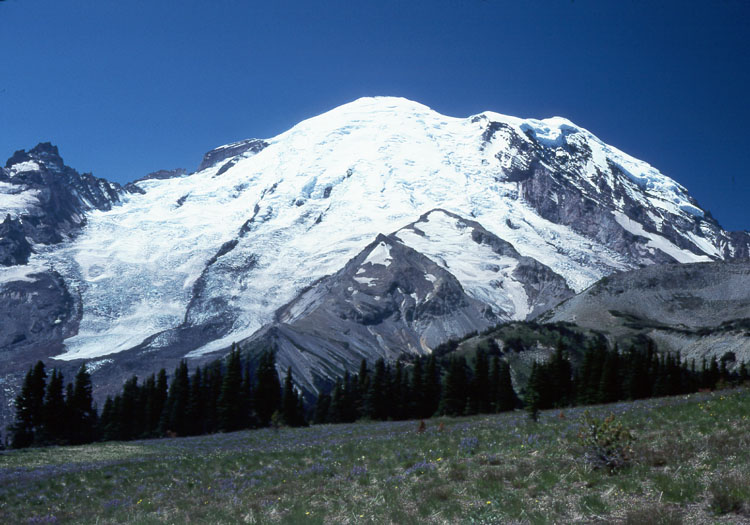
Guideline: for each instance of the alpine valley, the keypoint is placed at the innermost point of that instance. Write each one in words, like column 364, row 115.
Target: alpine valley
column 376, row 229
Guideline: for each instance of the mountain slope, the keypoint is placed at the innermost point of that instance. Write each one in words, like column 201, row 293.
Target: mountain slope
column 698, row 310
column 439, row 278
column 44, row 202
column 179, row 264
column 225, row 250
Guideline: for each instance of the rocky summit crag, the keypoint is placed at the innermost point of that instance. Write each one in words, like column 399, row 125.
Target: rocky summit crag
column 377, row 228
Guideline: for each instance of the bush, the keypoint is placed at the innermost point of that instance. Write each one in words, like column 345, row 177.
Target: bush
column 606, row 443
column 727, row 494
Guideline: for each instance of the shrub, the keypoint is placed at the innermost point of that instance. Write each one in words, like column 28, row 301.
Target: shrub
column 728, row 494
column 606, row 443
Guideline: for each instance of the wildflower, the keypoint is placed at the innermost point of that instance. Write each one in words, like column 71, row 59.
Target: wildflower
column 489, row 503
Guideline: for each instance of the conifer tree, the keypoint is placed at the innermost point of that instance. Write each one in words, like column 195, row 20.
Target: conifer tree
column 54, row 420
column 432, row 388
column 81, row 409
column 322, row 405
column 455, row 388
column 376, row 400
column 196, row 405
column 173, row 418
column 417, row 388
column 533, row 396
column 268, row 389
column 29, row 407
column 506, row 396
column 129, row 419
column 290, row 404
column 609, row 384
column 231, row 416
column 481, row 384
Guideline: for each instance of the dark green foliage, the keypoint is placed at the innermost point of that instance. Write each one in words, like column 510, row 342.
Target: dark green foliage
column 505, row 397
column 54, row 414
column 455, row 388
column 268, row 391
column 232, row 403
column 173, row 418
column 292, row 410
column 81, row 409
column 376, row 402
column 29, row 408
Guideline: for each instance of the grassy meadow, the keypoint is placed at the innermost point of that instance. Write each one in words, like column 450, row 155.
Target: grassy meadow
column 689, row 462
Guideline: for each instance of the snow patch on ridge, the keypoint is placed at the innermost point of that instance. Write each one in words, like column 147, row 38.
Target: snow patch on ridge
column 484, row 275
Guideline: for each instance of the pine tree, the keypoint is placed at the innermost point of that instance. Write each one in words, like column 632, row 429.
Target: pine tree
column 375, row 399
column 506, row 396
column 322, row 405
column 231, row 416
column 743, row 374
column 81, row 409
column 268, row 389
column 533, row 396
column 432, row 388
column 290, row 403
column 173, row 417
column 29, row 408
column 455, row 388
column 561, row 372
column 481, row 384
column 129, row 418
column 609, row 384
column 54, row 420
column 195, row 408
column 417, row 388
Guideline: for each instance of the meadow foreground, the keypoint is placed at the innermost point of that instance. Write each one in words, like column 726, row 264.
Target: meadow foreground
column 689, row 462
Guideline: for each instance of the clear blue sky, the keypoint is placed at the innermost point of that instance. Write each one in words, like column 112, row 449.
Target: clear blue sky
column 129, row 87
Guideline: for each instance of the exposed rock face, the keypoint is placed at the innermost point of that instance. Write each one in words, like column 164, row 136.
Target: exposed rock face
column 387, row 301
column 697, row 309
column 561, row 178
column 392, row 299
column 45, row 202
column 230, row 151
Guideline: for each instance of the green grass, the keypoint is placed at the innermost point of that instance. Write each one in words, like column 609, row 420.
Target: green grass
column 690, row 464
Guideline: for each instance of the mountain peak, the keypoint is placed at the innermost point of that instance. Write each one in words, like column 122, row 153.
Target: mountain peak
column 44, row 152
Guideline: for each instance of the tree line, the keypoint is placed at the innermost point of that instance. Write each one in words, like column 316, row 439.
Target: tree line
column 220, row 397
column 230, row 395
column 609, row 375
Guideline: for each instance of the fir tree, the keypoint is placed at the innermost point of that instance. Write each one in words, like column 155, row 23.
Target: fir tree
column 29, row 407
column 54, row 417
column 481, row 384
column 455, row 388
column 231, row 416
column 506, row 396
column 268, row 389
column 173, row 418
column 376, row 400
column 290, row 403
column 322, row 405
column 81, row 409
column 533, row 397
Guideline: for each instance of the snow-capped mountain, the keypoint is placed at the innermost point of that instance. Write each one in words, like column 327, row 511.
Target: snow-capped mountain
column 43, row 201
column 518, row 213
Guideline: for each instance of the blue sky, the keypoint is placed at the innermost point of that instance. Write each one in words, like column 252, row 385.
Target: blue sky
column 125, row 88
